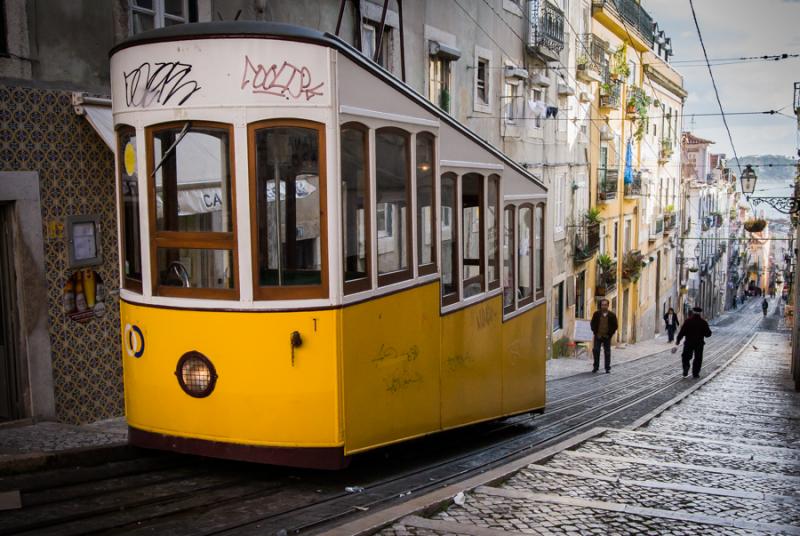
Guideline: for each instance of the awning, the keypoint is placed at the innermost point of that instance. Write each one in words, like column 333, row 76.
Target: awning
column 98, row 112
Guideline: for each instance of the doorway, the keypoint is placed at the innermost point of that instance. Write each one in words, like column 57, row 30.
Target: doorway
column 10, row 397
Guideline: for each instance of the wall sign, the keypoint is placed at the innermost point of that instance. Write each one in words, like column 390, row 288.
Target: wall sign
column 84, row 296
column 83, row 241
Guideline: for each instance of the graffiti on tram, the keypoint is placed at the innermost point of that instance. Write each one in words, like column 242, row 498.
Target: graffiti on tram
column 287, row 80
column 159, row 83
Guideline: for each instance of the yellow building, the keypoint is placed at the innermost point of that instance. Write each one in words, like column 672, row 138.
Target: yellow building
column 636, row 103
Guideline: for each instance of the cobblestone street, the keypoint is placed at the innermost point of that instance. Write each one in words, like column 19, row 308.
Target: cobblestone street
column 724, row 460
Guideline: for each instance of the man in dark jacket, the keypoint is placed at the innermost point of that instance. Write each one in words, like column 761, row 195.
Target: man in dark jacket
column 695, row 329
column 604, row 325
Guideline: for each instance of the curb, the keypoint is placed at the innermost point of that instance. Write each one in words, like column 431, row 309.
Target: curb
column 37, row 461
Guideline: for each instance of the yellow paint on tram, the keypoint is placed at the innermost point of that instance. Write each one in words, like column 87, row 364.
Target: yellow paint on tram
column 369, row 374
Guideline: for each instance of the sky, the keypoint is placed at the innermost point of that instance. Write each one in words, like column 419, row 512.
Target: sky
column 735, row 28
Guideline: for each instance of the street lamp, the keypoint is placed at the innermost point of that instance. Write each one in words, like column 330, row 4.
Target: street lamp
column 748, row 179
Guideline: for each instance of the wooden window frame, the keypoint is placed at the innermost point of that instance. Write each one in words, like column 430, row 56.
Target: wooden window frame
column 539, row 282
column 429, row 268
column 494, row 284
column 481, row 277
column 289, row 292
column 529, row 300
column 453, row 297
column 364, row 283
column 127, row 282
column 191, row 239
column 508, row 309
column 398, row 276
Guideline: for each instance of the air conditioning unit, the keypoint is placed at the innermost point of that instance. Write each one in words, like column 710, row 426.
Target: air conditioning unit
column 514, row 72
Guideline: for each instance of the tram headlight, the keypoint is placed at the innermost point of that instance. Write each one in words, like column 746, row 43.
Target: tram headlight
column 196, row 374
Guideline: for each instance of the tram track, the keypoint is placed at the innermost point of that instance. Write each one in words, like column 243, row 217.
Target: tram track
column 267, row 500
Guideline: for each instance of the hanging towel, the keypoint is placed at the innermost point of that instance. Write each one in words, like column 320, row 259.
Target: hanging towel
column 552, row 111
column 538, row 108
column 628, row 179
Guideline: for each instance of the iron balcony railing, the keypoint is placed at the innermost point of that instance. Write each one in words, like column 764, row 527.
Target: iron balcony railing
column 587, row 241
column 631, row 14
column 546, row 26
column 666, row 150
column 610, row 91
column 606, row 280
column 595, row 51
column 634, row 189
column 670, row 222
column 607, row 180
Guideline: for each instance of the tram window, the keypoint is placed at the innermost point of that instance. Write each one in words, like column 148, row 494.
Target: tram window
column 492, row 231
column 288, row 226
column 355, row 208
column 195, row 268
column 524, row 254
column 448, row 231
column 508, row 259
column 472, row 233
column 129, row 191
column 192, row 179
column 392, row 192
column 539, row 245
column 426, row 238
column 193, row 240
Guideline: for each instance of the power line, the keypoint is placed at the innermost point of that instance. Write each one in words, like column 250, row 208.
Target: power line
column 767, row 57
column 714, row 84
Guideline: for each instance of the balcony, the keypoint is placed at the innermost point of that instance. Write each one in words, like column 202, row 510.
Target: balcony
column 635, row 94
column 606, row 280
column 610, row 93
column 592, row 59
column 587, row 242
column 666, row 150
column 670, row 222
column 607, row 180
column 632, row 14
column 634, row 189
column 545, row 30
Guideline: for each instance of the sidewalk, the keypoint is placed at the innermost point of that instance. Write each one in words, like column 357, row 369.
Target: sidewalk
column 25, row 446
column 724, row 459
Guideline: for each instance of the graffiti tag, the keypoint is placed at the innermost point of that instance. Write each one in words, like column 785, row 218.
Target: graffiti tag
column 159, row 83
column 287, row 81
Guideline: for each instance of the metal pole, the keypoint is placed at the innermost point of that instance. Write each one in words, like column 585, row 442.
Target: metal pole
column 402, row 41
column 341, row 15
column 379, row 41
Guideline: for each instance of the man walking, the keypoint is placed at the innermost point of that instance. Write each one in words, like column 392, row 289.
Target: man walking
column 671, row 323
column 695, row 329
column 604, row 325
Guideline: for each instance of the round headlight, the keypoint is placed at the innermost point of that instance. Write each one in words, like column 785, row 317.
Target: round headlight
column 196, row 375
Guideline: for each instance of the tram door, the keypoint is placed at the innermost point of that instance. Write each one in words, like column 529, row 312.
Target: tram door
column 10, row 402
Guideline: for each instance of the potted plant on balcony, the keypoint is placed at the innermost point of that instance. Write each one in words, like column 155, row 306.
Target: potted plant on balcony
column 604, row 263
column 632, row 265
column 620, row 70
column 582, row 62
column 592, row 216
column 638, row 104
column 669, row 209
column 755, row 225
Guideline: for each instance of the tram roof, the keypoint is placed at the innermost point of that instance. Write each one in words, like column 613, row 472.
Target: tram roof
column 291, row 32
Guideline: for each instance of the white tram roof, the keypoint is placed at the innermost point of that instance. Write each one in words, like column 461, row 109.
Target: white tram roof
column 289, row 32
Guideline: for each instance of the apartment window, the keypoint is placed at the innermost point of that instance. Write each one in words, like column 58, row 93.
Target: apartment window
column 289, row 193
column 355, row 207
column 448, row 232
column 472, row 233
column 508, row 259
column 426, row 252
column 628, row 239
column 602, row 239
column 146, row 15
column 482, row 81
column 510, row 98
column 615, row 243
column 493, row 231
column 369, row 34
column 129, row 221
column 193, row 247
column 439, row 82
column 539, row 246
column 558, row 306
column 560, row 194
column 525, row 256
column 392, row 195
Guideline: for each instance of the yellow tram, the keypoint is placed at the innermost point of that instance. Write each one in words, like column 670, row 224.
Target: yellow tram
column 315, row 261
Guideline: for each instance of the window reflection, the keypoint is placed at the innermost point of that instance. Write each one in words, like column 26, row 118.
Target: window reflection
column 492, row 241
column 472, row 233
column 129, row 187
column 288, row 206
column 425, row 224
column 355, row 237
column 508, row 259
column 391, row 195
column 539, row 239
column 524, row 254
column 195, row 268
column 448, row 234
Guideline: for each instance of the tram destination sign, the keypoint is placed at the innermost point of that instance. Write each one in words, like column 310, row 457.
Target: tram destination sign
column 220, row 72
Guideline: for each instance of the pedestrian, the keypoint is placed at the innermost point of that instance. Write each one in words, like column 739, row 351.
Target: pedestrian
column 604, row 325
column 694, row 329
column 671, row 323
column 764, row 306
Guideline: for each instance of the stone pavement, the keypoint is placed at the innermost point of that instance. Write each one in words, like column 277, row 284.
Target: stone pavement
column 724, row 460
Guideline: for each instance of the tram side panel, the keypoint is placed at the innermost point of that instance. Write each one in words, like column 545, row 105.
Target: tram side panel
column 524, row 357
column 390, row 367
column 471, row 358
column 262, row 396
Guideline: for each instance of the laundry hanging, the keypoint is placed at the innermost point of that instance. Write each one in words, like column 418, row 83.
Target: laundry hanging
column 537, row 108
column 628, row 178
column 552, row 111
